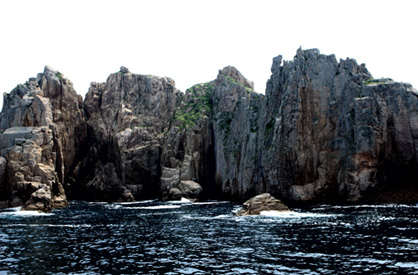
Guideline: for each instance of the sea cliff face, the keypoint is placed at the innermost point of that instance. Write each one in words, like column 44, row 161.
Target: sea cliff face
column 42, row 130
column 127, row 116
column 337, row 132
column 324, row 131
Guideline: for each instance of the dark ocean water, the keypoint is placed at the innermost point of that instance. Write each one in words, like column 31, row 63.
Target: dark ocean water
column 205, row 238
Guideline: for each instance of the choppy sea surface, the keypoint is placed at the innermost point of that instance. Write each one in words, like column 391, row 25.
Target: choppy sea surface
column 152, row 237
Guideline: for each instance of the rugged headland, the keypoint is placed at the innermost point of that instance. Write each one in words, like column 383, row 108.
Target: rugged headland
column 324, row 131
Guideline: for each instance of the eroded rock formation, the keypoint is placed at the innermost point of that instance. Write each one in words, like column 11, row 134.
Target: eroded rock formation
column 42, row 128
column 332, row 131
column 324, row 130
column 128, row 116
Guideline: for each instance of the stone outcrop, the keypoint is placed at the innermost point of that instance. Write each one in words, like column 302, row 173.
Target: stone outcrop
column 325, row 130
column 42, row 128
column 331, row 131
column 237, row 144
column 127, row 116
column 259, row 203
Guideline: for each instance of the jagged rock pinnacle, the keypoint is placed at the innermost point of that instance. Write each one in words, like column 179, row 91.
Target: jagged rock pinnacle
column 124, row 70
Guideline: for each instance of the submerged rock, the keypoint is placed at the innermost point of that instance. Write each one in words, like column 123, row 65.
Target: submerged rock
column 259, row 203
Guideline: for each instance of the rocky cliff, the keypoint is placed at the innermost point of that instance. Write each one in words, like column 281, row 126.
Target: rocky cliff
column 324, row 130
column 127, row 117
column 42, row 130
column 332, row 131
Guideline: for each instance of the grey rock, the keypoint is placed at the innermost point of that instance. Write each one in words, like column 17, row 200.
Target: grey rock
column 324, row 130
column 3, row 184
column 331, row 132
column 187, row 148
column 42, row 130
column 175, row 194
column 3, row 163
column 124, row 70
column 128, row 116
column 31, row 172
column 190, row 189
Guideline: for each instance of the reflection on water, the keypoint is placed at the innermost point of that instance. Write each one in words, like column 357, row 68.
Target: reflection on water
column 206, row 238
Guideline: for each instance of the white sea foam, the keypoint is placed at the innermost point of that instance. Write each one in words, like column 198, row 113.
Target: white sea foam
column 190, row 217
column 189, row 270
column 236, row 209
column 413, row 265
column 113, row 206
column 408, row 241
column 360, row 206
column 182, row 201
column 291, row 214
column 137, row 202
column 156, row 207
column 97, row 202
column 210, row 202
column 373, row 261
column 47, row 225
column 309, row 255
column 244, row 271
column 17, row 211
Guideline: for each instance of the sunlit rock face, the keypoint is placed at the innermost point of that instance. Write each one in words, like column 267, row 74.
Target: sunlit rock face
column 42, row 130
column 332, row 132
column 128, row 116
column 323, row 131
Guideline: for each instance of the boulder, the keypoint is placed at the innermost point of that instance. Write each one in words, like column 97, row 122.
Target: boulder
column 259, row 203
column 190, row 189
column 175, row 194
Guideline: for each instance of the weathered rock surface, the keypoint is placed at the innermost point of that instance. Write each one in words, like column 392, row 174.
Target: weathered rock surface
column 42, row 128
column 332, row 132
column 127, row 117
column 187, row 154
column 259, row 203
column 237, row 144
column 324, row 130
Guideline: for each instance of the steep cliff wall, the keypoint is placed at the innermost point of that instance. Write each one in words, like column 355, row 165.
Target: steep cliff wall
column 42, row 129
column 324, row 130
column 336, row 133
column 127, row 117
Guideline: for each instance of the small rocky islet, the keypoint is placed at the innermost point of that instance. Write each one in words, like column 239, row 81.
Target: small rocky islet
column 324, row 131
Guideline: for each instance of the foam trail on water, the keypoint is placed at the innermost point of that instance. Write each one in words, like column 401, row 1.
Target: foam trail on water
column 155, row 207
column 138, row 202
column 182, row 201
column 210, row 202
column 291, row 214
column 17, row 211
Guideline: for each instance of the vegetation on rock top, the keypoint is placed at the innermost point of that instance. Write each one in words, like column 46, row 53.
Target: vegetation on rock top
column 199, row 105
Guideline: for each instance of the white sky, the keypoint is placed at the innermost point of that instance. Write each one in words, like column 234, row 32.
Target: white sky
column 190, row 41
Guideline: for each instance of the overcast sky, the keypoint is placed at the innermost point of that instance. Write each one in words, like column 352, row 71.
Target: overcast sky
column 190, row 41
